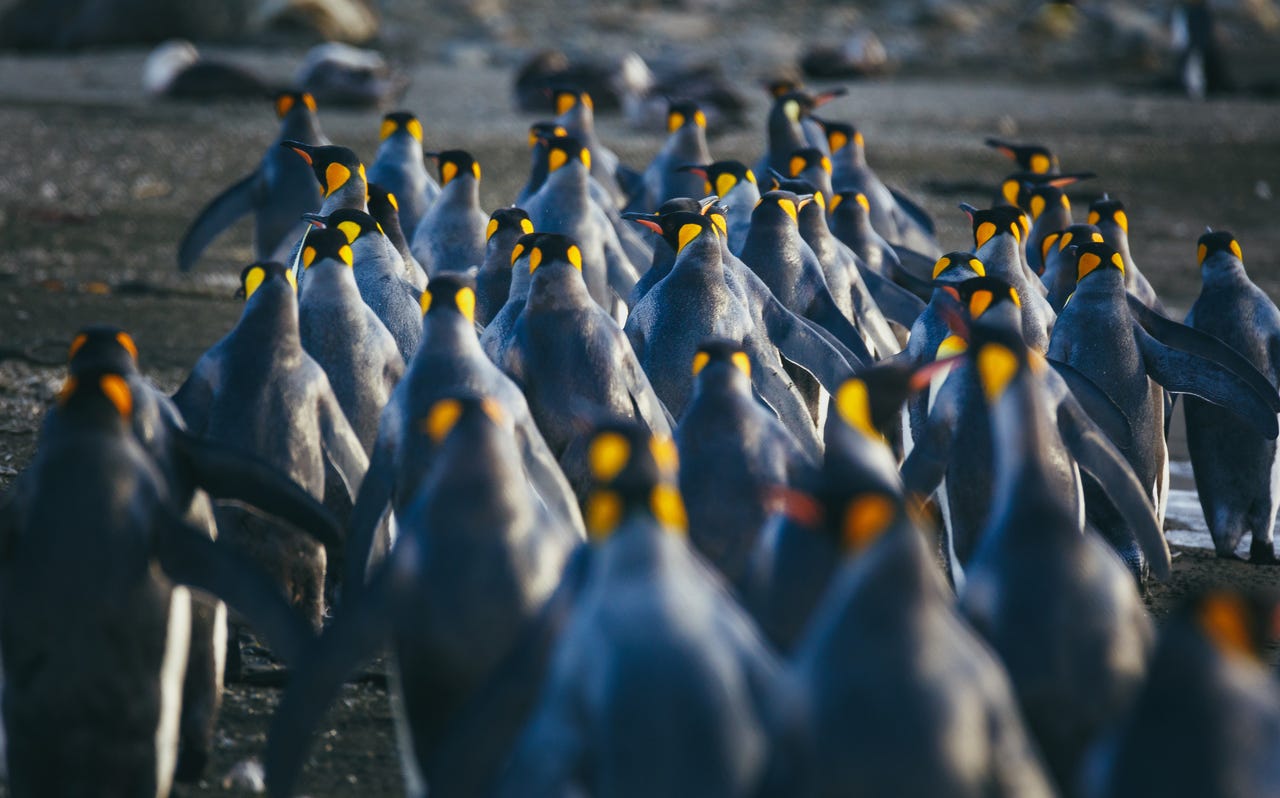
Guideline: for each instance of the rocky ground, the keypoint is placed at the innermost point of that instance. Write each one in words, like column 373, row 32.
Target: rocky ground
column 98, row 183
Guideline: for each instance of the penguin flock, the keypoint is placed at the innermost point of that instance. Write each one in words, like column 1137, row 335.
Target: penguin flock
column 703, row 479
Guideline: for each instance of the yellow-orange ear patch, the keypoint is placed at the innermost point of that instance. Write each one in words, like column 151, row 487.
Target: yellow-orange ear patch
column 602, row 513
column 984, row 233
column 465, row 301
column 997, row 365
column 126, row 343
column 700, row 361
column 335, row 177
column 441, row 419
column 79, row 341
column 607, row 455
column 574, row 255
column 865, row 519
column 448, row 171
column 114, row 387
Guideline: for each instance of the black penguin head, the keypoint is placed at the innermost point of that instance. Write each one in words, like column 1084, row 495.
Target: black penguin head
column 1237, row 624
column 999, row 356
column 777, row 207
column 333, row 166
column 288, row 101
column 255, row 275
column 840, row 135
column 796, row 105
column 954, row 264
column 984, row 300
column 400, row 122
column 631, row 473
column 97, row 395
column 1075, row 235
column 1093, row 256
column 563, row 150
column 1034, row 158
column 682, row 228
column 778, row 86
column 567, row 98
column 1107, row 210
column 1016, row 188
column 508, row 220
column 456, row 164
column 350, row 222
column 1044, row 196
column 995, row 221
column 717, row 357
column 542, row 132
column 808, row 158
column 327, row 243
column 102, row 346
column 450, row 292
column 684, row 112
column 458, row 412
column 722, row 176
column 544, row 249
column 854, row 203
column 382, row 203
column 1217, row 242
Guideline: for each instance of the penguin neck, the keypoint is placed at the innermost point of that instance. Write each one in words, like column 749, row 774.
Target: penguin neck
column 851, row 225
column 403, row 150
column 722, row 384
column 1224, row 271
column 462, row 192
column 497, row 251
column 270, row 316
column 447, row 330
column 1003, row 258
column 812, row 223
column 700, row 262
column 689, row 144
column 777, row 236
column 373, row 254
column 1103, row 285
column 479, row 469
column 301, row 125
column 326, row 280
column 785, row 137
column 663, row 259
column 554, row 288
column 569, row 183
column 850, row 156
column 638, row 547
column 395, row 234
column 351, row 195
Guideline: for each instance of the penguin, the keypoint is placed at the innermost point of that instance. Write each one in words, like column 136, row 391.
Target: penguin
column 340, row 173
column 493, row 280
column 655, row 658
column 1109, row 216
column 738, row 191
column 957, row 729
column 693, row 303
column 379, row 276
column 384, row 208
column 952, row 452
column 575, row 112
column 570, row 358
column 663, row 255
column 344, row 335
column 563, row 204
column 1098, row 335
column 277, row 193
column 1058, row 606
column 497, row 333
column 1050, row 213
column 785, row 128
column 1015, row 189
column 1030, row 157
column 540, row 135
column 256, row 389
column 450, row 236
column 895, row 216
column 448, row 359
column 399, row 166
column 95, row 608
column 1235, row 470
column 1207, row 719
column 849, row 217
column 1059, row 258
column 776, row 88
column 1201, row 64
column 997, row 242
column 686, row 144
column 193, row 472
column 734, row 453
column 462, row 595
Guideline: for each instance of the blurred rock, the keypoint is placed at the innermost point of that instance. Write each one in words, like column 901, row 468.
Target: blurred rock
column 176, row 69
column 351, row 21
column 339, row 74
column 861, row 55
column 246, row 775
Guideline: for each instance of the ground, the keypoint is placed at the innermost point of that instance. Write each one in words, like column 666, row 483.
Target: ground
column 98, row 182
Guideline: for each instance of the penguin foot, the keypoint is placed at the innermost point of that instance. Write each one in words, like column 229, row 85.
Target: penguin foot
column 1262, row 552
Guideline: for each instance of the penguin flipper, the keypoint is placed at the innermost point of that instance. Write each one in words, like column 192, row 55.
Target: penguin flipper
column 546, row 477
column 912, row 210
column 925, row 466
column 341, row 446
column 366, row 515
column 229, row 474
column 1183, row 372
column 222, row 211
column 824, row 312
column 194, row 396
column 190, row 557
column 1101, row 459
column 1097, row 405
column 1189, row 339
column 644, row 399
column 354, row 634
column 910, row 266
column 802, row 344
column 898, row 304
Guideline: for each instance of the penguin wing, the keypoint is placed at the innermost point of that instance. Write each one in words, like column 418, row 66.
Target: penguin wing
column 1097, row 405
column 898, row 304
column 621, row 272
column 911, row 210
column 824, row 311
column 910, row 265
column 229, row 474
column 360, row 626
column 548, row 757
column 341, row 447
column 371, row 501
column 643, row 398
column 195, row 395
column 222, row 212
column 1184, row 372
column 802, row 343
column 1188, row 339
column 926, row 465
column 545, row 475
column 1100, row 458
column 190, row 557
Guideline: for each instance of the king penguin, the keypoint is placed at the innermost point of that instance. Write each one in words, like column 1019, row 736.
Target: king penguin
column 277, row 193
column 493, row 279
column 340, row 173
column 385, row 210
column 1111, row 220
column 400, row 167
column 450, row 235
column 686, row 144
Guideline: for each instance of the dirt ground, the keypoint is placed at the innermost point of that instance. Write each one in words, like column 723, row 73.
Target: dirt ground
column 98, row 182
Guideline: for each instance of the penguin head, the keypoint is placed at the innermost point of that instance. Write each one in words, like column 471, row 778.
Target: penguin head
column 956, row 266
column 507, row 222
column 777, row 207
column 567, row 99
column 840, row 135
column 684, row 112
column 778, row 86
column 990, row 301
column 686, row 230
column 989, row 223
column 1096, row 257
column 351, row 222
column 382, row 204
column 796, row 105
column 401, row 122
column 1016, row 188
column 546, row 253
column 97, row 395
column 327, row 244
column 1218, row 247
column 1108, row 211
column 457, row 414
column 1074, row 236
column 456, row 164
column 811, row 199
column 631, row 473
column 808, row 158
column 268, row 273
column 565, row 151
column 450, row 293
column 542, row 132
column 334, row 166
column 721, row 176
column 1044, row 196
column 852, row 204
column 287, row 102
column 99, row 346
column 1034, row 158
column 999, row 356
column 1237, row 624
column 721, row 360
